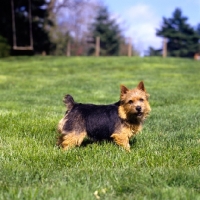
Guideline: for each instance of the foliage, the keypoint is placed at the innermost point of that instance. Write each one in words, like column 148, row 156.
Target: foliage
column 21, row 10
column 61, row 43
column 198, row 29
column 55, row 22
column 198, row 32
column 71, row 19
column 183, row 40
column 124, row 46
column 4, row 47
column 153, row 52
column 164, row 160
column 108, row 31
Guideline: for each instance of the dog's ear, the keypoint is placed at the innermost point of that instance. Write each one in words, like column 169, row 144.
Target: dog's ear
column 123, row 89
column 141, row 86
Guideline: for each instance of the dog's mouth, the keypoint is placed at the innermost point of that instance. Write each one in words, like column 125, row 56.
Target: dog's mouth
column 139, row 114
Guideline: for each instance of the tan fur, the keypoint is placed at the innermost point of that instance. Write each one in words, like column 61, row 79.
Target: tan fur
column 72, row 139
column 122, row 138
column 61, row 124
column 130, row 100
column 133, row 110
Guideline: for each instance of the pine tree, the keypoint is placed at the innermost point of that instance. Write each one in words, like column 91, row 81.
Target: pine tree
column 182, row 38
column 198, row 32
column 108, row 31
column 153, row 52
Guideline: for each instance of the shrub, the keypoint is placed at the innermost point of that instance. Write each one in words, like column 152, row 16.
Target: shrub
column 4, row 47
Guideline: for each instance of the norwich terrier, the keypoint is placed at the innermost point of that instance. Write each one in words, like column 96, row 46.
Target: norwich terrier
column 118, row 121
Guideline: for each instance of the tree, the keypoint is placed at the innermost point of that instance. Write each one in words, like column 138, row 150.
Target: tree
column 71, row 19
column 182, row 38
column 4, row 47
column 21, row 10
column 198, row 32
column 124, row 47
column 153, row 52
column 198, row 29
column 108, row 31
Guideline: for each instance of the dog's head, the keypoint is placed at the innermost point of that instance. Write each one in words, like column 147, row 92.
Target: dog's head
column 134, row 103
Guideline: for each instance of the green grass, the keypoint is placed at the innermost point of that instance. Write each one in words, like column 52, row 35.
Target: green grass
column 164, row 162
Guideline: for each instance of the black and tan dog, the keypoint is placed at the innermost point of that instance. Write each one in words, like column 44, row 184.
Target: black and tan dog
column 118, row 121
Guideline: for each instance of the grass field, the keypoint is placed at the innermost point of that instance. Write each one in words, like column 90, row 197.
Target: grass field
column 164, row 162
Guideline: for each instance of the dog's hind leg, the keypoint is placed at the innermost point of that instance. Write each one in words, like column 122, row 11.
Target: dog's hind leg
column 72, row 139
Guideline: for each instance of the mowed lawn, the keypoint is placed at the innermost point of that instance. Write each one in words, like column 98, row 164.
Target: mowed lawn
column 164, row 162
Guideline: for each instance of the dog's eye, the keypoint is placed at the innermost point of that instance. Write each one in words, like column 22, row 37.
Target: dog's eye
column 130, row 101
column 141, row 99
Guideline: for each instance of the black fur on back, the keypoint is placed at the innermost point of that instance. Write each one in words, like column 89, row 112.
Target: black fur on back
column 99, row 121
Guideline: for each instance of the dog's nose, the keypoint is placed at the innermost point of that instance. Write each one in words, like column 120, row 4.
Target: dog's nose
column 138, row 108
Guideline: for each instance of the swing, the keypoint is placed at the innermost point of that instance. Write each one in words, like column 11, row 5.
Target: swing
column 15, row 47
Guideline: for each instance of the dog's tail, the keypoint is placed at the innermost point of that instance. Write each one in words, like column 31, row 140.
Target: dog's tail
column 69, row 101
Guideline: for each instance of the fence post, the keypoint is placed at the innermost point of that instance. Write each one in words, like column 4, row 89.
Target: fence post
column 97, row 49
column 68, row 48
column 129, row 47
column 164, row 53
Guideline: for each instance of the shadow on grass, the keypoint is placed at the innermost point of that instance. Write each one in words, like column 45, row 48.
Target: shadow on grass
column 88, row 141
column 133, row 141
